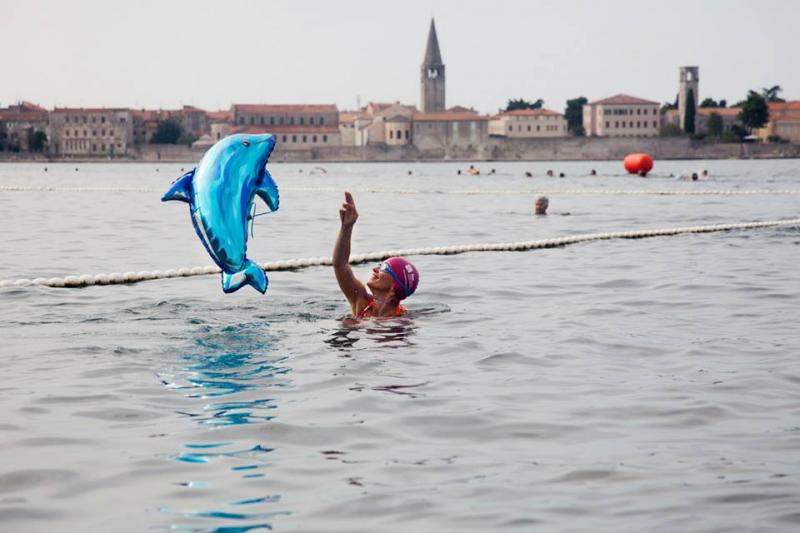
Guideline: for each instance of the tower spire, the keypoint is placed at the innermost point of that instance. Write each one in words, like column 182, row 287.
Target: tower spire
column 433, row 57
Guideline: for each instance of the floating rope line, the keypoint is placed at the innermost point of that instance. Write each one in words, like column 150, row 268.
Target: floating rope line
column 117, row 278
column 471, row 192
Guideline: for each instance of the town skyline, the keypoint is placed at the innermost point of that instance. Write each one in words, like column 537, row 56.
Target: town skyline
column 302, row 70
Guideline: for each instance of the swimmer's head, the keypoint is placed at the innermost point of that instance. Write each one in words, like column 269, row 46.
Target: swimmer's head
column 540, row 205
column 396, row 274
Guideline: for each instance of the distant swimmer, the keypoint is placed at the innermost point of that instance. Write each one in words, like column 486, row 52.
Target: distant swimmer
column 561, row 175
column 472, row 171
column 593, row 172
column 409, row 172
column 492, row 171
column 550, row 174
column 391, row 282
column 704, row 174
column 458, row 171
column 528, row 174
column 540, row 205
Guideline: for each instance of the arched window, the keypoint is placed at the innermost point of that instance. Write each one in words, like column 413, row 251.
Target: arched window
column 314, row 138
column 311, row 120
column 391, row 134
column 301, row 121
column 321, row 121
column 399, row 134
column 252, row 120
column 324, row 138
column 291, row 120
column 261, row 120
column 406, row 134
column 294, row 138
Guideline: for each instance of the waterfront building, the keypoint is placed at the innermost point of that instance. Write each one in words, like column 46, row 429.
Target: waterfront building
column 784, row 122
column 432, row 76
column 454, row 128
column 220, row 124
column 347, row 127
column 296, row 127
column 621, row 115
column 528, row 124
column 90, row 131
column 19, row 123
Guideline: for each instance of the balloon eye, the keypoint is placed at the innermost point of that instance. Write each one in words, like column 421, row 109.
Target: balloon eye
column 246, row 143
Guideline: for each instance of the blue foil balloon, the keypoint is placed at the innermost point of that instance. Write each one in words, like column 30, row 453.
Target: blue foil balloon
column 220, row 194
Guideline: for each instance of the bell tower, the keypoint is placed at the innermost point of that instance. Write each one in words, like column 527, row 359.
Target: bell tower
column 689, row 84
column 432, row 75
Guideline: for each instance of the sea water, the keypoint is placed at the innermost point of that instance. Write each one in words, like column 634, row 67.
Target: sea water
column 621, row 385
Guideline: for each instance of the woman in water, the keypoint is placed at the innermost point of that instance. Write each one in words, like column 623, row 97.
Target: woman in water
column 391, row 282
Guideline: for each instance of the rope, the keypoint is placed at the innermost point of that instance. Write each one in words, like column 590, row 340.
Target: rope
column 117, row 278
column 472, row 192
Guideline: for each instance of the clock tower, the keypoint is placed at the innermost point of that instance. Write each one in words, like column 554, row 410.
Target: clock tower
column 432, row 76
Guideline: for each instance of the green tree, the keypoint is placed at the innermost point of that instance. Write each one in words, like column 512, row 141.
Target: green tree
column 168, row 131
column 689, row 113
column 669, row 106
column 770, row 94
column 36, row 141
column 709, row 102
column 714, row 126
column 521, row 103
column 723, row 103
column 755, row 112
column 574, row 115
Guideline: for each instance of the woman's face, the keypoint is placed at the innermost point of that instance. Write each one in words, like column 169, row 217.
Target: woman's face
column 380, row 280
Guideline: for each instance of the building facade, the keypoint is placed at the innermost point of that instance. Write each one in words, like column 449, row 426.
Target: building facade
column 90, row 132
column 432, row 76
column 296, row 127
column 621, row 116
column 784, row 122
column 528, row 124
column 449, row 129
column 19, row 124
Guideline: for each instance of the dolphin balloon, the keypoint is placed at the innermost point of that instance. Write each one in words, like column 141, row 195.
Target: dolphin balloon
column 220, row 194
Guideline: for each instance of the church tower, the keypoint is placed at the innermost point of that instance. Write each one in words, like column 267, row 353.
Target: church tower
column 688, row 84
column 432, row 76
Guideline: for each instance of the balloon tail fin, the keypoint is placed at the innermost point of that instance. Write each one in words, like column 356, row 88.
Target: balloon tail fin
column 181, row 189
column 251, row 274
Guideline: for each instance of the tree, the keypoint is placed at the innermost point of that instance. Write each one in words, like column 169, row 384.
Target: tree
column 36, row 141
column 669, row 106
column 574, row 115
column 723, row 103
column 714, row 126
column 689, row 113
column 770, row 94
column 521, row 103
column 755, row 112
column 168, row 131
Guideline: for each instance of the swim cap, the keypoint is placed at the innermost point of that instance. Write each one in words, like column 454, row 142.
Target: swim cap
column 405, row 276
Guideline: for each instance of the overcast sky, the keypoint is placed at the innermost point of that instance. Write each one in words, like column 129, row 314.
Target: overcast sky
column 213, row 53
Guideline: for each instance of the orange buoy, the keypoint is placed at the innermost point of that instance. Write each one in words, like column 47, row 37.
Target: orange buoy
column 638, row 164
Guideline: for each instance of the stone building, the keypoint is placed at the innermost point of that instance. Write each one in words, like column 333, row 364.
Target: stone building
column 90, row 131
column 380, row 122
column 296, row 127
column 449, row 129
column 432, row 77
column 621, row 116
column 19, row 123
column 528, row 124
column 729, row 116
column 220, row 124
column 784, row 122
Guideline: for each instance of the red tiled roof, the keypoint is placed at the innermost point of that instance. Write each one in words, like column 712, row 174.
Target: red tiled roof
column 784, row 106
column 284, row 108
column 88, row 109
column 348, row 116
column 531, row 113
column 287, row 129
column 623, row 99
column 447, row 116
column 220, row 116
column 721, row 111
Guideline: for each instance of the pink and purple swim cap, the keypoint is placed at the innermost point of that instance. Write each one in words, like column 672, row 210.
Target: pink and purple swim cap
column 405, row 276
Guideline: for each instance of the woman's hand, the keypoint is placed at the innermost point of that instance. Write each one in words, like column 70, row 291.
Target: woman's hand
column 348, row 213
